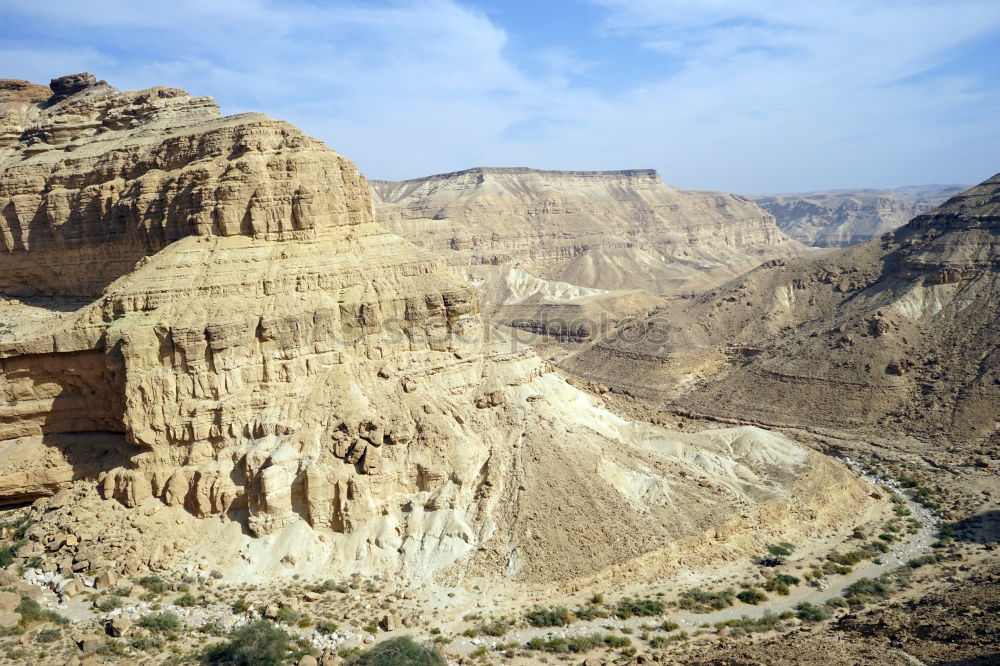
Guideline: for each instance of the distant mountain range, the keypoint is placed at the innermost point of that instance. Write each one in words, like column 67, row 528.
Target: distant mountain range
column 838, row 218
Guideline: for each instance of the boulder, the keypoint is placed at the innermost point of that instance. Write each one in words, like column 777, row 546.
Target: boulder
column 64, row 86
column 389, row 622
column 89, row 643
column 107, row 580
column 9, row 601
column 69, row 588
column 118, row 627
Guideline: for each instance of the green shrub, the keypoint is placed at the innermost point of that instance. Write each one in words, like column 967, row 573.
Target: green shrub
column 810, row 613
column 557, row 616
column 212, row 628
column 846, row 559
column 32, row 613
column 165, row 621
column 7, row 554
column 777, row 553
column 918, row 562
column 834, row 568
column 108, row 604
column 48, row 635
column 495, row 628
column 590, row 612
column 240, row 606
column 669, row 626
column 880, row 546
column 699, row 601
column 186, row 600
column 627, row 608
column 866, row 587
column 259, row 643
column 328, row 627
column 555, row 644
column 577, row 644
column 288, row 616
column 580, row 644
column 402, row 651
column 752, row 596
column 154, row 584
column 146, row 642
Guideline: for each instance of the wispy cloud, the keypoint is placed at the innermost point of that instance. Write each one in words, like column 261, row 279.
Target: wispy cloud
column 770, row 95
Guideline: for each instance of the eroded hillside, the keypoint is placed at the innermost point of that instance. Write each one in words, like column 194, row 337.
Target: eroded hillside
column 839, row 218
column 207, row 337
column 570, row 254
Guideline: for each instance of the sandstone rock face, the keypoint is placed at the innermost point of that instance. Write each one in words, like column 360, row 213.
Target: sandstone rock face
column 17, row 91
column 839, row 218
column 209, row 343
column 612, row 243
column 64, row 86
column 897, row 334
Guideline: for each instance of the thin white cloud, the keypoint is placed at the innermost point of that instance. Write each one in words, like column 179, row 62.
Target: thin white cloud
column 752, row 96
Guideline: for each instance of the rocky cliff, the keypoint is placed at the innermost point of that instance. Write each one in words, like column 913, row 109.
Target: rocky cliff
column 896, row 335
column 610, row 234
column 211, row 352
column 839, row 218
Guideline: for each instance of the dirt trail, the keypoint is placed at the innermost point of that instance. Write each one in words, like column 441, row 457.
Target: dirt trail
column 900, row 552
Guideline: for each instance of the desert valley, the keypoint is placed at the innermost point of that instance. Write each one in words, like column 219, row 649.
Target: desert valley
column 256, row 408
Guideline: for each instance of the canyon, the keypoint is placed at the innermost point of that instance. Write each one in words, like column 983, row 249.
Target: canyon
column 839, row 218
column 568, row 255
column 224, row 350
column 205, row 325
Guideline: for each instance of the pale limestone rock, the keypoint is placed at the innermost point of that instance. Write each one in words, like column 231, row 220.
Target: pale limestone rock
column 9, row 601
column 106, row 580
column 569, row 255
column 219, row 306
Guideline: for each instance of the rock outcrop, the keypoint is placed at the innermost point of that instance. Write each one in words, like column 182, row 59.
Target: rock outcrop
column 900, row 334
column 17, row 91
column 605, row 234
column 209, row 349
column 839, row 218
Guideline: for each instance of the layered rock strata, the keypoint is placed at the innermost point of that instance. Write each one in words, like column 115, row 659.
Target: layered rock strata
column 839, row 218
column 210, row 350
column 897, row 334
column 618, row 232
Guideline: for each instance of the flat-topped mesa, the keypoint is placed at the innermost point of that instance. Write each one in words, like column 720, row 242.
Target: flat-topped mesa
column 103, row 178
column 389, row 191
column 596, row 229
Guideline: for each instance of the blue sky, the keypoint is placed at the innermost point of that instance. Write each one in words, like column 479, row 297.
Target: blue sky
column 766, row 96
